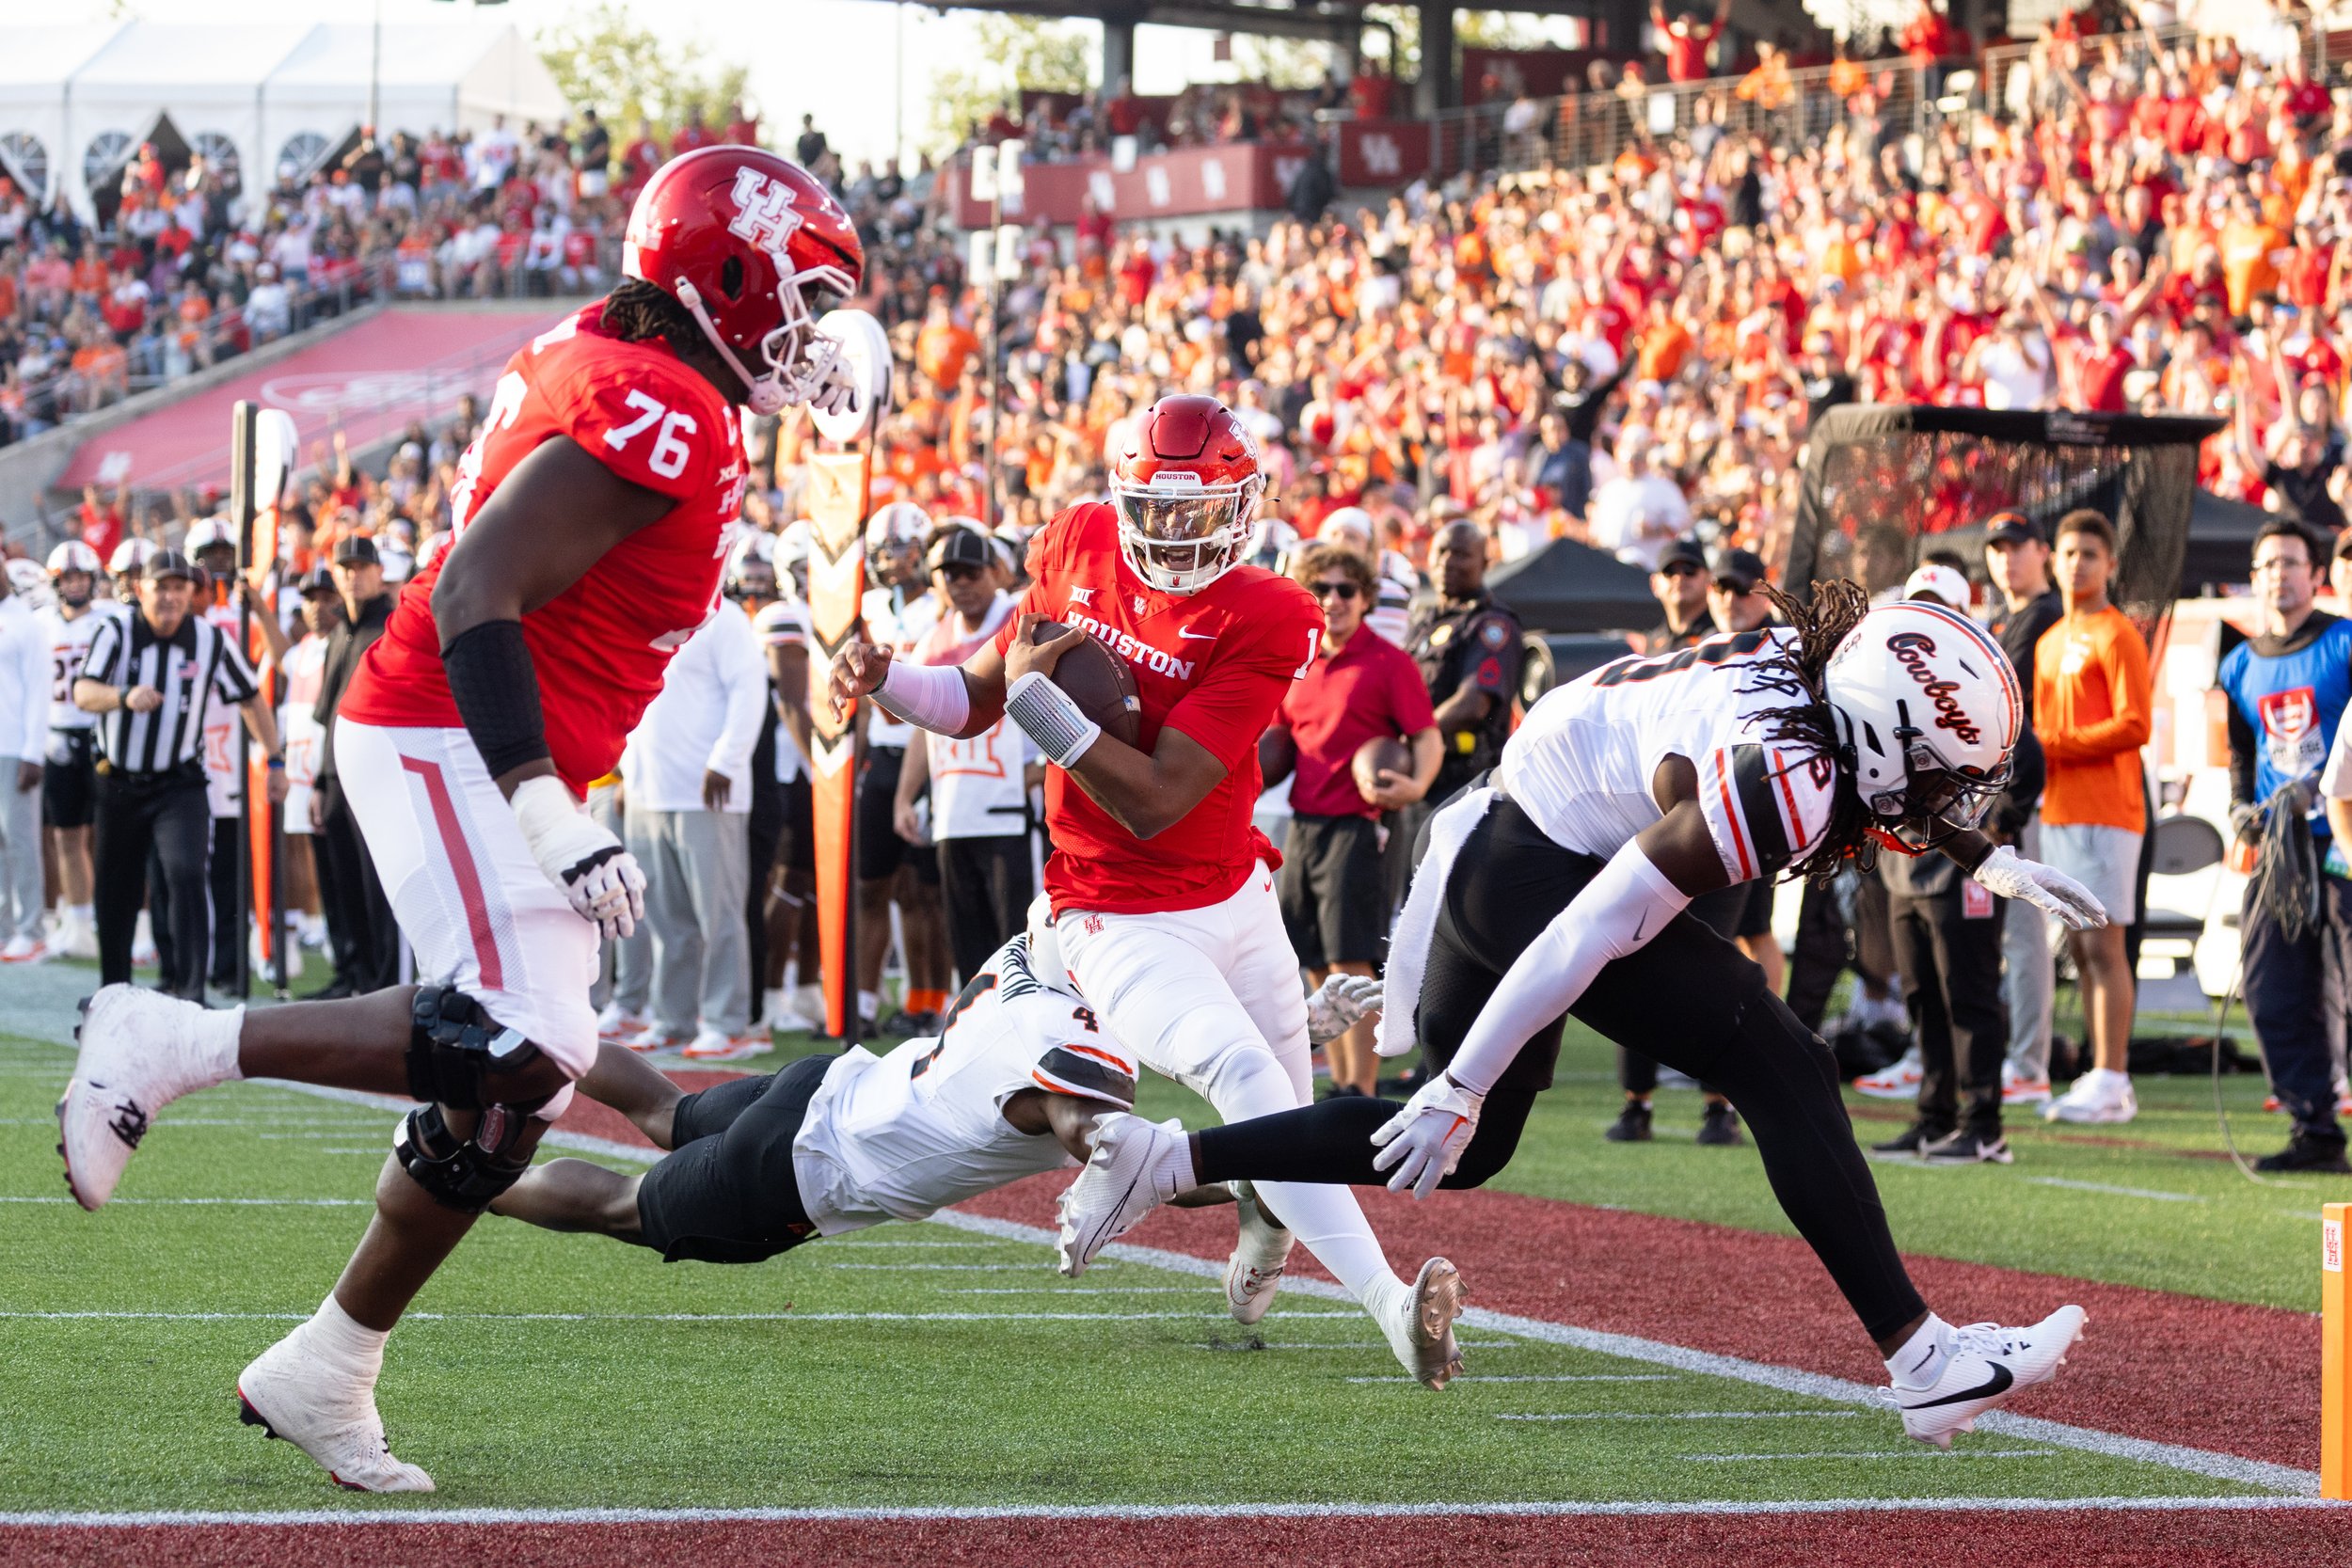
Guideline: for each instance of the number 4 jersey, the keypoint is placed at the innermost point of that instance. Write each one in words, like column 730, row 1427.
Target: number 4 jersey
column 599, row 646
column 1584, row 764
column 898, row 1137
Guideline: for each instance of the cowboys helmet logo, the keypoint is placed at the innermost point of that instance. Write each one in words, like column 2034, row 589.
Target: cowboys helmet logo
column 764, row 214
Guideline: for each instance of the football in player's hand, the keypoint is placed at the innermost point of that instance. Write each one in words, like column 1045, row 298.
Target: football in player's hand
column 1098, row 681
column 1381, row 751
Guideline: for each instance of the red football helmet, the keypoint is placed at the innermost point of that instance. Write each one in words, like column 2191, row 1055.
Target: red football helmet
column 757, row 250
column 1185, row 481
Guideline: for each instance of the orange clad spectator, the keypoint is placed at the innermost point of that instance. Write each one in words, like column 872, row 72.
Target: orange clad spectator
column 2093, row 706
column 944, row 346
column 2250, row 252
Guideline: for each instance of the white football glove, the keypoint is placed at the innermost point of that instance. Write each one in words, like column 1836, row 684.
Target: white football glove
column 600, row 877
column 2011, row 876
column 838, row 392
column 1341, row 1003
column 1425, row 1141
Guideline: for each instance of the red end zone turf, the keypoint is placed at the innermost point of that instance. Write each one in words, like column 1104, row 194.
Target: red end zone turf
column 2172, row 1369
column 2236, row 1379
column 1949, row 1538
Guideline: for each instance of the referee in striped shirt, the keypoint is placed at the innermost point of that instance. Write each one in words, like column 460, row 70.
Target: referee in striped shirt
column 152, row 675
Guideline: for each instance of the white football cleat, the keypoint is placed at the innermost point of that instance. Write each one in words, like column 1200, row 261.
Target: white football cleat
column 25, row 950
column 711, row 1045
column 617, row 1022
column 141, row 1051
column 1987, row 1363
column 1420, row 1324
column 1897, row 1082
column 1255, row 1270
column 1122, row 1182
column 2098, row 1096
column 290, row 1392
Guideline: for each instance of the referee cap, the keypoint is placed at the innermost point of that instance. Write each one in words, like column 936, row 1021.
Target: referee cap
column 170, row 563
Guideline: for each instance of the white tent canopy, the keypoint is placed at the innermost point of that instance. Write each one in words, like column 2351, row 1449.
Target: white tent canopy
column 88, row 96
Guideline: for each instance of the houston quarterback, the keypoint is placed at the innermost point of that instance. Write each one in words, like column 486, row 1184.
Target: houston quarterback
column 1161, row 888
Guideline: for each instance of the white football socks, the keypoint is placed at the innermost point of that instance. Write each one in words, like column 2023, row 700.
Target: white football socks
column 1921, row 1360
column 341, row 1341
column 216, row 1043
column 1327, row 1220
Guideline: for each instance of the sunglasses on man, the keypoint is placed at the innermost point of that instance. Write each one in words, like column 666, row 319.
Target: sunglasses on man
column 1342, row 590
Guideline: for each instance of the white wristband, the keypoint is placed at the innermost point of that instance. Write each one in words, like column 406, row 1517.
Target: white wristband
column 929, row 696
column 1047, row 716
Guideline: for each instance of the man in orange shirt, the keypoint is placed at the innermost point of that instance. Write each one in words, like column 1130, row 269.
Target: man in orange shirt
column 2091, row 710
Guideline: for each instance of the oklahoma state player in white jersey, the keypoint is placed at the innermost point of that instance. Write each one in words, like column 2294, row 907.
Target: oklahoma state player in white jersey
column 593, row 510
column 1161, row 889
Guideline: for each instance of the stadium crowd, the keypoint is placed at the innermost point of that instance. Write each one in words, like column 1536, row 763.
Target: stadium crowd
column 1441, row 380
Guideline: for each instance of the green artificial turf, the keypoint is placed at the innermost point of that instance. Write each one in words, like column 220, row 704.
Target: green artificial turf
column 608, row 1402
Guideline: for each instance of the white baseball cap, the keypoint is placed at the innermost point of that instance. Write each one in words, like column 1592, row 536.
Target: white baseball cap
column 1940, row 583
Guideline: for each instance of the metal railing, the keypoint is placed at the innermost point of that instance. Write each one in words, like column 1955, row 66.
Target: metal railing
column 2019, row 78
column 1590, row 129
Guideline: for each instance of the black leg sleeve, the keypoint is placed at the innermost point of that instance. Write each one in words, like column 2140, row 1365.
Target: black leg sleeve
column 1331, row 1143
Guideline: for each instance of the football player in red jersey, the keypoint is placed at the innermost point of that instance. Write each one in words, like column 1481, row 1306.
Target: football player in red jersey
column 1161, row 888
column 593, row 516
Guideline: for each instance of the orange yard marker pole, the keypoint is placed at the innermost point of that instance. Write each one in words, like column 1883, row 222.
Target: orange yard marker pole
column 2335, row 1357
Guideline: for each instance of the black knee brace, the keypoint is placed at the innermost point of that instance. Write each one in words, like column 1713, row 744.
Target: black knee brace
column 453, row 1045
column 467, row 1174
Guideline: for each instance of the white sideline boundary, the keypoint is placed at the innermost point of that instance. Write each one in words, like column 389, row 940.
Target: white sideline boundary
column 2281, row 1478
column 2284, row 1482
column 1150, row 1513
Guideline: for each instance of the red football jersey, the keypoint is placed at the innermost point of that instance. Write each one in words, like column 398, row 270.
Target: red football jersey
column 599, row 646
column 1213, row 664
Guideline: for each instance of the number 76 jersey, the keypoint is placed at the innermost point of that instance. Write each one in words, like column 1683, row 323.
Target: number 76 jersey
column 599, row 646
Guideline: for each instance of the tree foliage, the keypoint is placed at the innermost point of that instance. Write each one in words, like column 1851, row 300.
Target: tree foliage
column 605, row 60
column 1011, row 55
column 1472, row 30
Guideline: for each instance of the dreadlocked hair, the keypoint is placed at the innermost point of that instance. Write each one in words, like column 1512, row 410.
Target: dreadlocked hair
column 637, row 311
column 1835, row 609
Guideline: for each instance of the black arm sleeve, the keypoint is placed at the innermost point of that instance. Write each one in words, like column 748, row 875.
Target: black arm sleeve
column 2242, row 760
column 496, row 692
column 2028, row 773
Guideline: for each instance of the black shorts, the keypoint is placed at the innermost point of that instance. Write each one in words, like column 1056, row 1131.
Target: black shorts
column 799, row 840
column 728, row 1195
column 68, row 789
column 879, row 846
column 1741, row 910
column 1334, row 899
column 1678, row 997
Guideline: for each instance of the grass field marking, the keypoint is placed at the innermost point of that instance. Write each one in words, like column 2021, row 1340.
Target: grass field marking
column 1147, row 1513
column 1542, row 1377
column 2113, row 1191
column 69, row 1315
column 1055, row 1289
column 1924, row 1453
column 2283, row 1478
column 221, row 1203
column 1683, row 1416
column 946, row 1268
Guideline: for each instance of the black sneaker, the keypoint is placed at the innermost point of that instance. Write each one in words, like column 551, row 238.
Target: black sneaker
column 2303, row 1152
column 1911, row 1139
column 1720, row 1125
column 1966, row 1147
column 1343, row 1091
column 1632, row 1124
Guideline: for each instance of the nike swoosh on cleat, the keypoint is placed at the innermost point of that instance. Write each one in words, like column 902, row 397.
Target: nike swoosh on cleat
column 1992, row 1388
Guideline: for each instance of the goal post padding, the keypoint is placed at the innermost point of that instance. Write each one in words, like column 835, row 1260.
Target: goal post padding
column 1886, row 484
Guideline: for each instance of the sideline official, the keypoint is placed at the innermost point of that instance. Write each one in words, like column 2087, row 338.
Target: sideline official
column 152, row 675
column 359, row 925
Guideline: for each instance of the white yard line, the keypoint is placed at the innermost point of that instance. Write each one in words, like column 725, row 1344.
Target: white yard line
column 1683, row 1416
column 1543, row 1377
column 1924, row 1453
column 222, row 1202
column 2283, row 1478
column 2113, row 1191
column 899, row 1513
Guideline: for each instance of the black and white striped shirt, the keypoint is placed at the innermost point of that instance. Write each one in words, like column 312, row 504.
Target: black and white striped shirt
column 194, row 668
